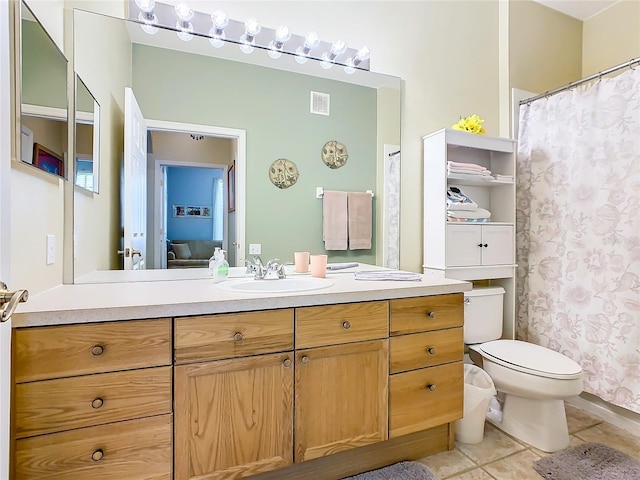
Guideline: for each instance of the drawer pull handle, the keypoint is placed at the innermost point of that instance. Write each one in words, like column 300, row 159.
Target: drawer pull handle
column 97, row 455
column 431, row 387
column 97, row 403
column 286, row 363
column 346, row 324
column 304, row 360
column 431, row 314
column 97, row 350
column 432, row 350
column 237, row 337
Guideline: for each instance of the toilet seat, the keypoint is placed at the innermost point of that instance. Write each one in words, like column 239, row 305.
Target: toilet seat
column 530, row 358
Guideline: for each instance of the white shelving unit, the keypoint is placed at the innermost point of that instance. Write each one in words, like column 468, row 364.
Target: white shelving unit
column 483, row 253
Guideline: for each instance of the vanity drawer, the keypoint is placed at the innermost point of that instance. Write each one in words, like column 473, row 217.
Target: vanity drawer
column 336, row 324
column 418, row 350
column 132, row 450
column 421, row 314
column 425, row 398
column 67, row 403
column 51, row 352
column 214, row 337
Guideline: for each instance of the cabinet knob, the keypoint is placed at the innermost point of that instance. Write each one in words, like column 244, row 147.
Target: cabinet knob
column 483, row 244
column 431, row 387
column 237, row 337
column 97, row 455
column 286, row 362
column 97, row 403
column 431, row 314
column 304, row 360
column 97, row 350
column 346, row 324
column 432, row 350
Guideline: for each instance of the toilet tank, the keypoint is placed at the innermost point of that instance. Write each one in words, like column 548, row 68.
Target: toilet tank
column 483, row 308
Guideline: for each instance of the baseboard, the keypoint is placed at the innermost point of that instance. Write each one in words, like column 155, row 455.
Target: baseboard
column 618, row 416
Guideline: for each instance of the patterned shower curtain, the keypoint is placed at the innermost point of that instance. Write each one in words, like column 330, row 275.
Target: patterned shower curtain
column 578, row 232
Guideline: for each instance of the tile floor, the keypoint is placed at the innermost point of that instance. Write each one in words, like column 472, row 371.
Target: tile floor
column 502, row 457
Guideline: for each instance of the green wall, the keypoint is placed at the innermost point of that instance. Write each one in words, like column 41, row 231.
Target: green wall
column 273, row 107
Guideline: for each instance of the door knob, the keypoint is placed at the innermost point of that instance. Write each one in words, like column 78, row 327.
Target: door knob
column 135, row 252
column 11, row 299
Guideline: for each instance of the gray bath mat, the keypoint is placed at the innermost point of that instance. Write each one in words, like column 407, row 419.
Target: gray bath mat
column 592, row 461
column 398, row 471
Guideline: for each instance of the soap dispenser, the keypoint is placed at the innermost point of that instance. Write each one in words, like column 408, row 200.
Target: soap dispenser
column 218, row 266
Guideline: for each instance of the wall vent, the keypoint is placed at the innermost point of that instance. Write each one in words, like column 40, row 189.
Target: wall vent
column 320, row 103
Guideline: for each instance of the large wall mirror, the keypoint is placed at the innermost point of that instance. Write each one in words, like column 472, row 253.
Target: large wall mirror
column 87, row 139
column 44, row 113
column 207, row 117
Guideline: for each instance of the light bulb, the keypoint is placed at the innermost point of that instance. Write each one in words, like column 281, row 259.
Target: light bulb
column 251, row 29
column 184, row 12
column 219, row 19
column 363, row 54
column 338, row 48
column 185, row 31
column 146, row 6
column 275, row 46
column 311, row 40
column 149, row 20
column 217, row 39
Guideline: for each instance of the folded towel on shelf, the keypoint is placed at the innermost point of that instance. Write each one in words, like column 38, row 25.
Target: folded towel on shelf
column 467, row 171
column 457, row 200
column 468, row 220
column 360, row 220
column 334, row 220
column 470, row 166
column 473, row 214
column 341, row 266
column 503, row 178
column 387, row 275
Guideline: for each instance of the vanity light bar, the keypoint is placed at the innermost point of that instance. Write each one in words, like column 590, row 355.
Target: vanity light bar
column 234, row 30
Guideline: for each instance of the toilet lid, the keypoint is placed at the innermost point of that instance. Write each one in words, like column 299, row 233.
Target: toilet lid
column 530, row 358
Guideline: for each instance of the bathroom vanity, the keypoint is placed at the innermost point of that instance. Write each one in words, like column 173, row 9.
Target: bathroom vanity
column 184, row 379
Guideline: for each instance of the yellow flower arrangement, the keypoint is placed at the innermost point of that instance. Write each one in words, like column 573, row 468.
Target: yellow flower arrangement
column 472, row 124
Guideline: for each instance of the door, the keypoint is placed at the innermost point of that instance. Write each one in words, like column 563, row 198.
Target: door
column 497, row 242
column 463, row 245
column 340, row 398
column 5, row 168
column 233, row 418
column 134, row 185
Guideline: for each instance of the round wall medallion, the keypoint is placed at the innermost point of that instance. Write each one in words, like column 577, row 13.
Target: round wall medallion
column 334, row 154
column 283, row 173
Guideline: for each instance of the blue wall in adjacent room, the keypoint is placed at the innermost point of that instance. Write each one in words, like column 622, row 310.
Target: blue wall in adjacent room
column 190, row 187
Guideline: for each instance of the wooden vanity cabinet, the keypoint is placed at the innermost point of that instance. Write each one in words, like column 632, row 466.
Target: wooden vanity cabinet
column 233, row 394
column 426, row 381
column 341, row 387
column 93, row 401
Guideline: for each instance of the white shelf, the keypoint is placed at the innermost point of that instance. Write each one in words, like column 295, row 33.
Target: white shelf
column 481, row 252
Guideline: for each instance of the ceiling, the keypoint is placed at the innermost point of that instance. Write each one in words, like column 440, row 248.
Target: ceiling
column 580, row 9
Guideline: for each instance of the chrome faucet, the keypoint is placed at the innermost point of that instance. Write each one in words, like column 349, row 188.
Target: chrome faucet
column 273, row 270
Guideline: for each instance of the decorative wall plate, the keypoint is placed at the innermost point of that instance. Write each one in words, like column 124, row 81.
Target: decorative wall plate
column 283, row 173
column 334, row 154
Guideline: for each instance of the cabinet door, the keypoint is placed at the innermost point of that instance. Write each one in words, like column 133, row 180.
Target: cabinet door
column 464, row 245
column 341, row 398
column 233, row 418
column 497, row 241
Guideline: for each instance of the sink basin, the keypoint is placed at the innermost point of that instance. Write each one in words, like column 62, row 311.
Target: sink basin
column 282, row 285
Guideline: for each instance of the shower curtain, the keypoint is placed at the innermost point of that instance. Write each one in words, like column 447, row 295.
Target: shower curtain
column 578, row 231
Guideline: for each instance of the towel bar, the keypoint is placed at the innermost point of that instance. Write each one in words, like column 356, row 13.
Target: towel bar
column 320, row 192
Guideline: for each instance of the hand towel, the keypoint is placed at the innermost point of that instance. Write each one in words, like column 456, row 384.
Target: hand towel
column 360, row 220
column 334, row 220
column 387, row 275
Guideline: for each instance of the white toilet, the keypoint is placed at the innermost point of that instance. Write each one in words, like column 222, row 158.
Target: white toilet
column 532, row 381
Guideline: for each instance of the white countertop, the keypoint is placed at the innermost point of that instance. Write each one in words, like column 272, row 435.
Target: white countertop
column 100, row 302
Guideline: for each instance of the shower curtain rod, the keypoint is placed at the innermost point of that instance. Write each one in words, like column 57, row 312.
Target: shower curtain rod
column 584, row 80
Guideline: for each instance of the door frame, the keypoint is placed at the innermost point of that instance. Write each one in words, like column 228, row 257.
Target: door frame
column 241, row 167
column 6, row 145
column 159, row 199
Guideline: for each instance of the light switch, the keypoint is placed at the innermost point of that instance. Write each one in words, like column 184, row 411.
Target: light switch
column 255, row 248
column 51, row 249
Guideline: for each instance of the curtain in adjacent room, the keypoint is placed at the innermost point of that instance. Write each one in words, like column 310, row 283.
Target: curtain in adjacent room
column 578, row 231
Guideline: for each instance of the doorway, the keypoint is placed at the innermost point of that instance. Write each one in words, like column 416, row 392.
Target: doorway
column 178, row 144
